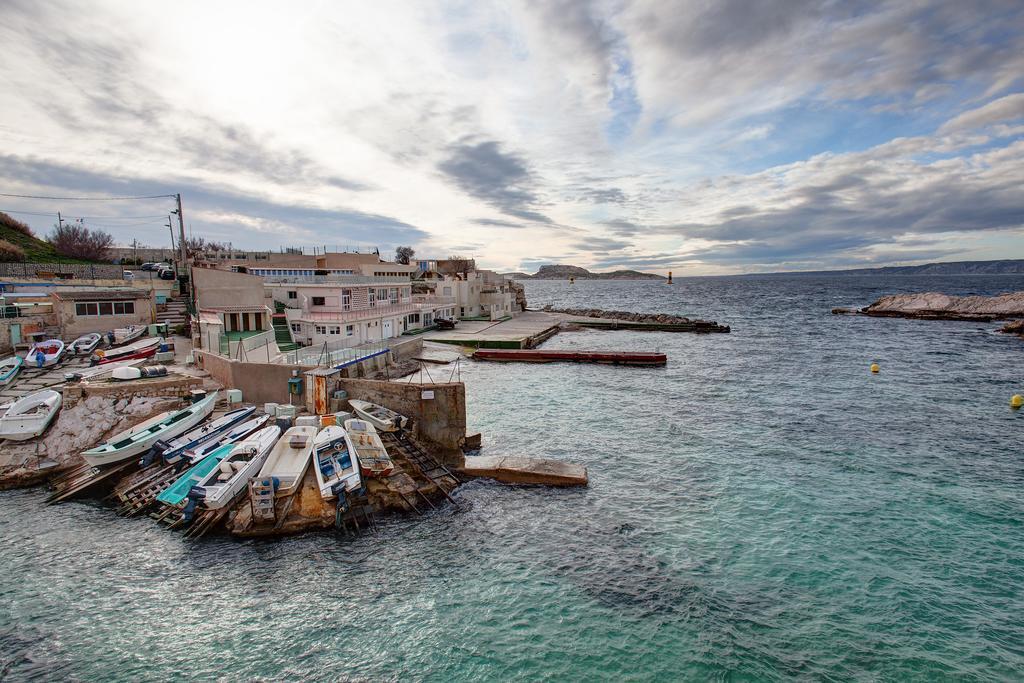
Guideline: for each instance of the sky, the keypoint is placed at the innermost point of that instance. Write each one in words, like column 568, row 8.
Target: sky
column 710, row 137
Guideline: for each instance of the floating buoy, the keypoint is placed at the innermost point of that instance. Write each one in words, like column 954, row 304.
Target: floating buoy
column 1016, row 401
column 875, row 368
column 670, row 277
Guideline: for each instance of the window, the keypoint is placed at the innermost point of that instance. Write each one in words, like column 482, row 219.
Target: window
column 373, row 297
column 321, row 329
column 318, row 301
column 124, row 308
column 106, row 308
column 346, row 299
column 296, row 327
column 393, row 295
column 335, row 329
column 293, row 295
column 349, row 330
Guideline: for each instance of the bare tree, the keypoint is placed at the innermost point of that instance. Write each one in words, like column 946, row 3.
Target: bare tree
column 404, row 255
column 197, row 245
column 74, row 240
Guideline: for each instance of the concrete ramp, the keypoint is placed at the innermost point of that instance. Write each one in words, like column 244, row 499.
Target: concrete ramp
column 513, row 470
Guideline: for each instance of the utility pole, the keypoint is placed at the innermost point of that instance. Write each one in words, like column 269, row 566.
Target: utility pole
column 184, row 278
column 135, row 252
column 60, row 221
column 170, row 226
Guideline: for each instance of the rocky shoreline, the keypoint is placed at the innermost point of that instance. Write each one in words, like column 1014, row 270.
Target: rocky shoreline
column 938, row 306
column 652, row 319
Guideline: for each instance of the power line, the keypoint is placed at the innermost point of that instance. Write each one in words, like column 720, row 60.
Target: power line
column 90, row 218
column 87, row 199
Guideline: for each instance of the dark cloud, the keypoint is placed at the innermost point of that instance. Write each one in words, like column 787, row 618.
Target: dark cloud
column 502, row 179
column 286, row 222
column 600, row 245
column 610, row 195
column 494, row 223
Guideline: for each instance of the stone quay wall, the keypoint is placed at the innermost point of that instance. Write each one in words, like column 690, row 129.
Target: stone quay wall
column 178, row 386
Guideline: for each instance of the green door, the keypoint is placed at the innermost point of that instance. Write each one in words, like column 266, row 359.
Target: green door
column 15, row 334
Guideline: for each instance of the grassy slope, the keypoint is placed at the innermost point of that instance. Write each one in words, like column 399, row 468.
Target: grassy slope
column 36, row 250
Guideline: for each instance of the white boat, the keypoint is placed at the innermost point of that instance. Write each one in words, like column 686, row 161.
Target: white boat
column 144, row 348
column 289, row 460
column 239, row 433
column 172, row 450
column 336, row 468
column 43, row 354
column 9, row 369
column 384, row 419
column 87, row 343
column 364, row 441
column 130, row 373
column 98, row 372
column 123, row 335
column 141, row 437
column 30, row 416
column 233, row 473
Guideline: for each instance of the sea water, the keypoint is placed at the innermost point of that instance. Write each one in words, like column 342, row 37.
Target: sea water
column 761, row 508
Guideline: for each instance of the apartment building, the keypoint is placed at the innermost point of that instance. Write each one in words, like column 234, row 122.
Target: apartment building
column 476, row 294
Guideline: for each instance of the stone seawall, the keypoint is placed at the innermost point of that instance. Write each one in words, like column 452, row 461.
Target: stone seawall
column 171, row 387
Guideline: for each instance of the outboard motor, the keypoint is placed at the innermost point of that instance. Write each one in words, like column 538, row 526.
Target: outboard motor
column 159, row 448
column 190, row 506
column 111, row 338
column 93, row 360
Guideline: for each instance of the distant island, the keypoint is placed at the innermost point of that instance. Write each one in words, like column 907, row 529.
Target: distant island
column 561, row 272
column 1002, row 267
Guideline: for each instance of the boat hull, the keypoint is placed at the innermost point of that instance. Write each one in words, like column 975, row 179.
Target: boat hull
column 52, row 351
column 9, row 369
column 218, row 495
column 363, row 440
column 331, row 451
column 30, row 416
column 289, row 460
column 383, row 419
column 141, row 438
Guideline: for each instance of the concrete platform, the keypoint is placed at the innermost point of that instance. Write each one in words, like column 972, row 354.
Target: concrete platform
column 513, row 470
column 514, row 333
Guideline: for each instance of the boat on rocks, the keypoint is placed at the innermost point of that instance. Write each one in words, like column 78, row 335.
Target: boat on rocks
column 176, row 495
column 141, row 437
column 30, row 416
column 171, row 451
column 144, row 348
column 221, row 485
column 85, row 344
column 98, row 372
column 234, row 435
column 336, row 468
column 289, row 460
column 43, row 354
column 9, row 369
column 364, row 441
column 384, row 419
column 123, row 335
column 129, row 373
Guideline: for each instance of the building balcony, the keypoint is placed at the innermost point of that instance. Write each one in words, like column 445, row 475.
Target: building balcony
column 344, row 317
column 492, row 298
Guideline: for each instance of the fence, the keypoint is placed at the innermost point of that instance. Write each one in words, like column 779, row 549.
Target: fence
column 78, row 271
column 332, row 354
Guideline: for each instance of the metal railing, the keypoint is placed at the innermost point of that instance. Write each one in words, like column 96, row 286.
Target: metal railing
column 333, row 354
column 334, row 279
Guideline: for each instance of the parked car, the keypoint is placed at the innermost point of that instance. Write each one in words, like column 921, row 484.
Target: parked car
column 167, row 274
column 129, row 275
column 148, row 266
column 160, row 266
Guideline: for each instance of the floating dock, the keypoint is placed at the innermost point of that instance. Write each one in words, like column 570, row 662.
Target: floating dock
column 571, row 356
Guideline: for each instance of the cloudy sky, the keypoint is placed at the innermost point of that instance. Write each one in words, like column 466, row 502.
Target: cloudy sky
column 705, row 137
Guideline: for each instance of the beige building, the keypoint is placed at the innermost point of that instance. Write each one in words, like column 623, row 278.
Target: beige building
column 80, row 311
column 273, row 265
column 232, row 310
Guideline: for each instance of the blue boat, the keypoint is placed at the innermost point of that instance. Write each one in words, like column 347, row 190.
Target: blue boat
column 176, row 495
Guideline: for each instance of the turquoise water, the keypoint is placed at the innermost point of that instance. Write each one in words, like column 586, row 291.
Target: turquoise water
column 762, row 508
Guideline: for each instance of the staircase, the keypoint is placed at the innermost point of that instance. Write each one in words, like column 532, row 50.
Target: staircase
column 174, row 314
column 282, row 335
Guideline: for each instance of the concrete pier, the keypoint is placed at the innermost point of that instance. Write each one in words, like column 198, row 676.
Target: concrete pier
column 514, row 470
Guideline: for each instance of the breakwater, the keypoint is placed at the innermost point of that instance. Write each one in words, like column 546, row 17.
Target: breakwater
column 660, row 321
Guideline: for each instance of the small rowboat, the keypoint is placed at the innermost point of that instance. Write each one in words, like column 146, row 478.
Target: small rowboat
column 242, row 431
column 384, row 419
column 288, row 462
column 123, row 335
column 9, row 369
column 172, row 450
column 30, row 416
column 87, row 343
column 232, row 475
column 131, row 373
column 364, row 441
column 336, row 469
column 144, row 348
column 141, row 437
column 43, row 354
column 99, row 372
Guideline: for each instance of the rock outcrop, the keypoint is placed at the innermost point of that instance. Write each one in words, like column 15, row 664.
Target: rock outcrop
column 77, row 428
column 662, row 318
column 938, row 306
column 564, row 272
column 1013, row 327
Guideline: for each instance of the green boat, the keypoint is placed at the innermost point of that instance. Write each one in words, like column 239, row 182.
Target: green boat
column 177, row 493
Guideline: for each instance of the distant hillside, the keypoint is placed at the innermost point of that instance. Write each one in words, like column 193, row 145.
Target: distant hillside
column 562, row 272
column 1004, row 267
column 35, row 250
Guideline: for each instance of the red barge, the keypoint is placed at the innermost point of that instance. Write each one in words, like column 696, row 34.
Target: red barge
column 570, row 356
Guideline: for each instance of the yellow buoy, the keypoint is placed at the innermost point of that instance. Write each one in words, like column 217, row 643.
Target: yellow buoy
column 1016, row 401
column 875, row 368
